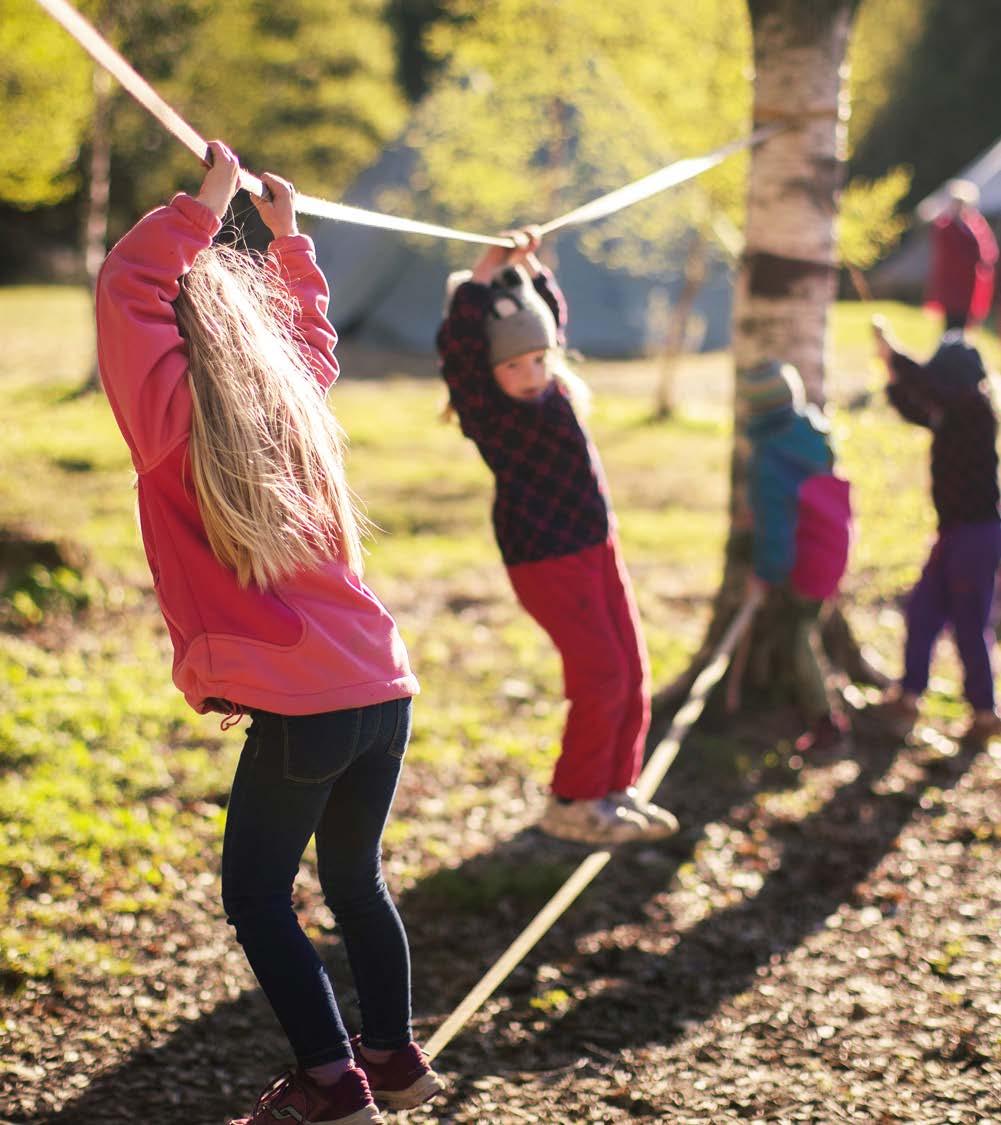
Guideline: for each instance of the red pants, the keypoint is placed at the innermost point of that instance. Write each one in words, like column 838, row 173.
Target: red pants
column 585, row 603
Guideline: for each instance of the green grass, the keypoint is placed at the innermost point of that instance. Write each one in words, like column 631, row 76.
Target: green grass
column 111, row 789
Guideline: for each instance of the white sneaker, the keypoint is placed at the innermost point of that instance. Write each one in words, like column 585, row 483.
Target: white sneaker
column 597, row 821
column 661, row 822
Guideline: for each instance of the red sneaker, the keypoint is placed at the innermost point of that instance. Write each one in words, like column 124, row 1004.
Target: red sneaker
column 295, row 1097
column 404, row 1080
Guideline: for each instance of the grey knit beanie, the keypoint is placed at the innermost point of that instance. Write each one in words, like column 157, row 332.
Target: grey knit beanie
column 518, row 320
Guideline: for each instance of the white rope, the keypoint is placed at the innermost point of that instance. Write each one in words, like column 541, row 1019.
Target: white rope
column 669, row 176
column 103, row 53
column 649, row 780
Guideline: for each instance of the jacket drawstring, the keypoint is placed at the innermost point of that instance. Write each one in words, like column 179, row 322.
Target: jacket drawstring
column 233, row 716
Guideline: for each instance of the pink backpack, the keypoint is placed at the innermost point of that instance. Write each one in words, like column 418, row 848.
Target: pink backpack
column 823, row 535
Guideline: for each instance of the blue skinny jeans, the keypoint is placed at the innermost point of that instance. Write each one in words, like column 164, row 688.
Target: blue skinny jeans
column 331, row 775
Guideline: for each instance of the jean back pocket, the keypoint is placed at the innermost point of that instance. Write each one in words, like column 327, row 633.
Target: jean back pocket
column 319, row 748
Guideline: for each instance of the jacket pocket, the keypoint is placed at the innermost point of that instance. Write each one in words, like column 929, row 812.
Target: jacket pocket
column 319, row 748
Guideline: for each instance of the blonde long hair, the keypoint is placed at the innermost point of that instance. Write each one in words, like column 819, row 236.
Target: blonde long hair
column 267, row 455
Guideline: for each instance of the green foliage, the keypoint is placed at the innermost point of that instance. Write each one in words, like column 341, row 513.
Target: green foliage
column 97, row 820
column 524, row 125
column 112, row 790
column 885, row 34
column 302, row 90
column 410, row 20
column 940, row 105
column 869, row 225
column 61, row 590
column 45, row 84
column 525, row 880
column 552, row 1000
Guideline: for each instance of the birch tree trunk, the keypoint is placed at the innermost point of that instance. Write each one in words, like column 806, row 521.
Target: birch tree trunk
column 95, row 236
column 787, row 277
column 95, row 227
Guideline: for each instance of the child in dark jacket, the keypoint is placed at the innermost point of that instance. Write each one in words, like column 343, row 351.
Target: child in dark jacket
column 499, row 348
column 801, row 526
column 948, row 396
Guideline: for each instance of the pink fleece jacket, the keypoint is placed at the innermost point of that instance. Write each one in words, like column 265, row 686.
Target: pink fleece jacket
column 319, row 641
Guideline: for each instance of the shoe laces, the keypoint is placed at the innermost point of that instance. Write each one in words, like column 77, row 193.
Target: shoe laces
column 274, row 1090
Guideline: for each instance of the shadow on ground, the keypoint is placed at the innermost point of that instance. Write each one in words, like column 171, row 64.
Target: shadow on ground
column 461, row 919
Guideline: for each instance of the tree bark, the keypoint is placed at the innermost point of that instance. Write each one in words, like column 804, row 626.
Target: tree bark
column 787, row 276
column 694, row 275
column 99, row 180
column 95, row 230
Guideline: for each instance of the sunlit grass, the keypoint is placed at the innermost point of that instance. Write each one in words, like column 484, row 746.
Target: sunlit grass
column 111, row 789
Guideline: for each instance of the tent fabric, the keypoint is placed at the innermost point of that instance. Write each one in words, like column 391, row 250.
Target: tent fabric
column 387, row 289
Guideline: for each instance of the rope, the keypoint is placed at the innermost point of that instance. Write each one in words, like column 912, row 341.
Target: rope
column 653, row 773
column 105, row 55
column 667, row 177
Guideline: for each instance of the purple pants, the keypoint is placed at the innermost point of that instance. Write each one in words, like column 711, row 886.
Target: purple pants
column 956, row 588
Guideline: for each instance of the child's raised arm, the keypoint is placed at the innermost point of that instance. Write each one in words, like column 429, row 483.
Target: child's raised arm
column 462, row 338
column 141, row 354
column 295, row 259
column 221, row 180
column 908, row 389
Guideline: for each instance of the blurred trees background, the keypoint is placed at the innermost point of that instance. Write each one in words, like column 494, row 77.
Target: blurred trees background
column 316, row 90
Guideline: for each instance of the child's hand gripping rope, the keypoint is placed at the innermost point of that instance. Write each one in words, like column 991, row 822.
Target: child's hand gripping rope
column 221, row 180
column 277, row 210
column 494, row 258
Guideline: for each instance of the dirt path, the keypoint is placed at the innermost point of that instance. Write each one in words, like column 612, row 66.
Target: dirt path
column 819, row 946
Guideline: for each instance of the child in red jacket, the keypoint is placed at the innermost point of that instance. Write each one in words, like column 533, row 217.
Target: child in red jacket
column 499, row 348
column 216, row 370
column 964, row 255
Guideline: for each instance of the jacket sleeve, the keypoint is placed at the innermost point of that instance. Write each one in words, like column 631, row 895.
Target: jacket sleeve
column 910, row 394
column 774, row 510
column 549, row 290
column 935, row 285
column 142, row 356
column 465, row 359
column 294, row 259
column 987, row 245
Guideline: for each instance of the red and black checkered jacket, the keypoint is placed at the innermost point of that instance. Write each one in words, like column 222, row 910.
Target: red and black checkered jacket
column 964, row 459
column 550, row 497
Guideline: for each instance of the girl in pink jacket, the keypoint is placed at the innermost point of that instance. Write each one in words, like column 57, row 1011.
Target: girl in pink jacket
column 216, row 366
